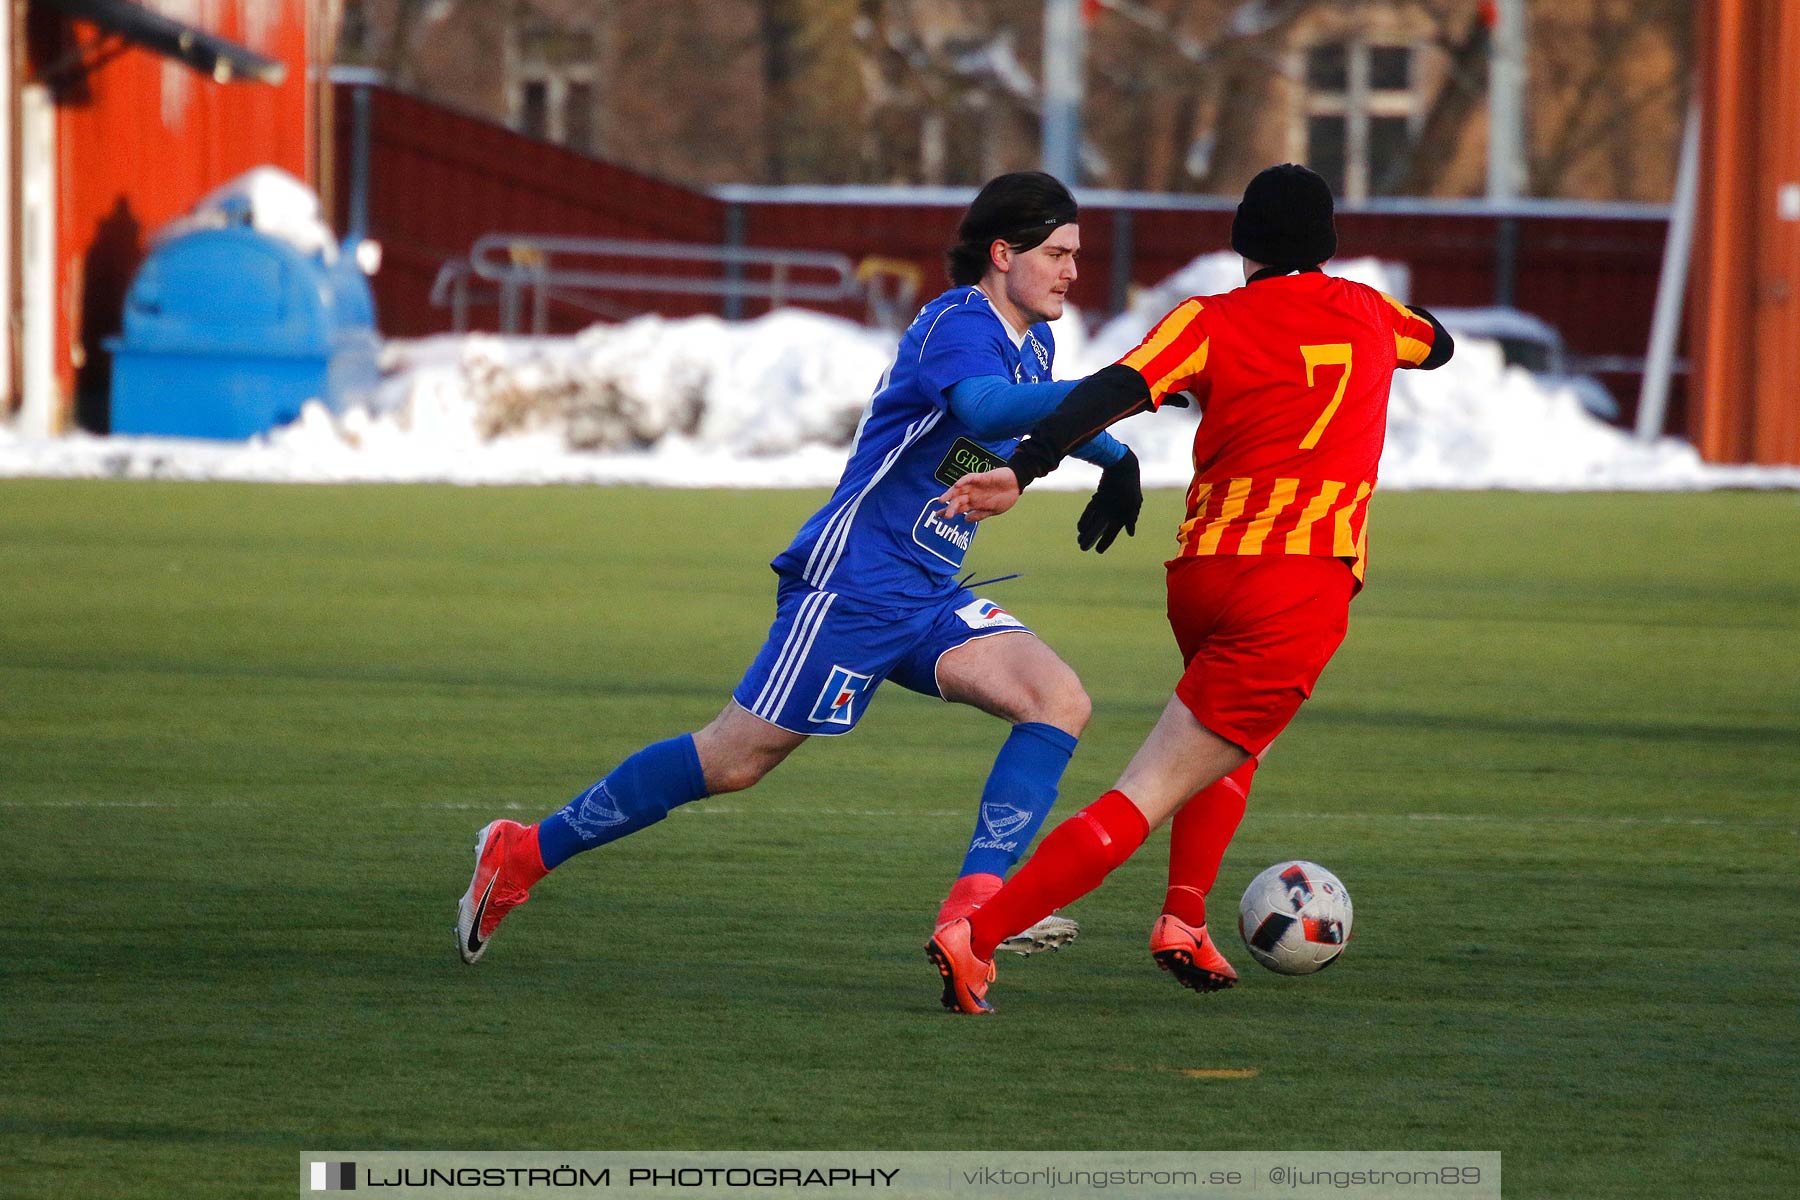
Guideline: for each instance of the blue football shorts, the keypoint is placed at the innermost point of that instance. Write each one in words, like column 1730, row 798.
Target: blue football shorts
column 827, row 653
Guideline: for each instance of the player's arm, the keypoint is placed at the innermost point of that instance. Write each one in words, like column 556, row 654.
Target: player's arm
column 1171, row 359
column 993, row 407
column 962, row 359
column 1420, row 339
column 1106, row 396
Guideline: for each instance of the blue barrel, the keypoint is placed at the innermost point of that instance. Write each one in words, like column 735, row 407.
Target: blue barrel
column 227, row 332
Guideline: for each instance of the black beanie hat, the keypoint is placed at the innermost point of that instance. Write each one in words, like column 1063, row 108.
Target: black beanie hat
column 1022, row 208
column 1285, row 219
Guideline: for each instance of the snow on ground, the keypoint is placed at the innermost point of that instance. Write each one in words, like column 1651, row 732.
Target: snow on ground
column 699, row 402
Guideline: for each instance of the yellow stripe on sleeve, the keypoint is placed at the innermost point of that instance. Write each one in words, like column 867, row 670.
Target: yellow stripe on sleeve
column 1177, row 378
column 1280, row 497
column 1399, row 307
column 1165, row 333
column 1299, row 541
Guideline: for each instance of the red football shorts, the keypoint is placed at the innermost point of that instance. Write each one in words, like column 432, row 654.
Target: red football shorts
column 1255, row 631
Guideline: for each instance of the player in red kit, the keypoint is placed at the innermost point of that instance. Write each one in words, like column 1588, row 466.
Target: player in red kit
column 1292, row 373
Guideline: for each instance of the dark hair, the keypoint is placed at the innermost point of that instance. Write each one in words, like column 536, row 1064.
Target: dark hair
column 1022, row 209
column 1285, row 219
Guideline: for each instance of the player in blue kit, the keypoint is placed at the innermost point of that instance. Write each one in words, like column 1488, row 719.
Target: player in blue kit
column 869, row 590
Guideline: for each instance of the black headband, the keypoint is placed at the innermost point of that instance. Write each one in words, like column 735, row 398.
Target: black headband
column 1031, row 236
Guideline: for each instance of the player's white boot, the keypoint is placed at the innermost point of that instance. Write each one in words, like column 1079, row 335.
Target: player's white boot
column 971, row 891
column 1051, row 933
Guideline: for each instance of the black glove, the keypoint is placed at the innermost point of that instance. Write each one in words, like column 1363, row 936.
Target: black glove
column 1115, row 506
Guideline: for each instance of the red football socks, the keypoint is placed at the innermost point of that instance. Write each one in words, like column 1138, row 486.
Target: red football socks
column 1070, row 862
column 1197, row 840
column 968, row 894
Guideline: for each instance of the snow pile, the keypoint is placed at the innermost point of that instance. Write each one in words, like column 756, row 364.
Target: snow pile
column 759, row 388
column 1207, row 275
column 270, row 201
column 693, row 402
column 774, row 401
column 1486, row 425
column 1472, row 423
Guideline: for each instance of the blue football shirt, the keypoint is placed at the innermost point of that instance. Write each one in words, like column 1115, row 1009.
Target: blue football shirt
column 879, row 538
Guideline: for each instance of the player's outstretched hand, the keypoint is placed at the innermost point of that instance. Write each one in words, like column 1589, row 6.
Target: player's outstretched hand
column 981, row 495
column 1115, row 506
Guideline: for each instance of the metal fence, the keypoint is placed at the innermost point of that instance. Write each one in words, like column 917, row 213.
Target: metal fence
column 527, row 274
column 438, row 181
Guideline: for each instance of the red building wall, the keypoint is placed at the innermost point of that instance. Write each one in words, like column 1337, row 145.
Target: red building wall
column 1594, row 278
column 140, row 138
column 440, row 179
column 1745, row 321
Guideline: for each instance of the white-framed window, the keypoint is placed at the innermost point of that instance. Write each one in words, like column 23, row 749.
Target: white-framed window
column 1361, row 106
column 553, row 84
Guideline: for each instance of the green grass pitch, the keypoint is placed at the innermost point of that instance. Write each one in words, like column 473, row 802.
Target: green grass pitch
column 247, row 734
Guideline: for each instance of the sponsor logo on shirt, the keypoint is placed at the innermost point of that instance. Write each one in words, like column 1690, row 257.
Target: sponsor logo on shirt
column 965, row 458
column 948, row 540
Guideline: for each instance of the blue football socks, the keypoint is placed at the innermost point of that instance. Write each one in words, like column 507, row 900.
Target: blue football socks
column 639, row 792
column 1019, row 794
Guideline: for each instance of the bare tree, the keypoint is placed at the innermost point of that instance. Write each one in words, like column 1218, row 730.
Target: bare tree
column 400, row 63
column 1600, row 77
column 1182, row 91
column 1460, row 97
column 1183, row 95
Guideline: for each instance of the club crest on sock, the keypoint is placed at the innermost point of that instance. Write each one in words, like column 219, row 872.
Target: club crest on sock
column 593, row 811
column 1002, row 821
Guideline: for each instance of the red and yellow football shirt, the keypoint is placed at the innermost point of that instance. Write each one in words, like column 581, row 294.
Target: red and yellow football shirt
column 1292, row 375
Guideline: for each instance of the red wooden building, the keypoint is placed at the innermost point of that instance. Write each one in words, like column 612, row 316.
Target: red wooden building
column 439, row 179
column 120, row 116
column 1746, row 296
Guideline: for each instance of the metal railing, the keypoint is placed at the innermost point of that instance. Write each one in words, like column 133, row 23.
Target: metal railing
column 527, row 273
column 458, row 288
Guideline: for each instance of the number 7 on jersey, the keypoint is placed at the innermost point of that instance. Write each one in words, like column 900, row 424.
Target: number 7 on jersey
column 1331, row 354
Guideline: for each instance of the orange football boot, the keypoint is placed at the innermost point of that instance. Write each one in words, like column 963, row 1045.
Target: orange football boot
column 496, row 887
column 1189, row 955
column 966, row 977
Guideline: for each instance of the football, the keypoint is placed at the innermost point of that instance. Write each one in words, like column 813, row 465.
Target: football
column 1295, row 918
